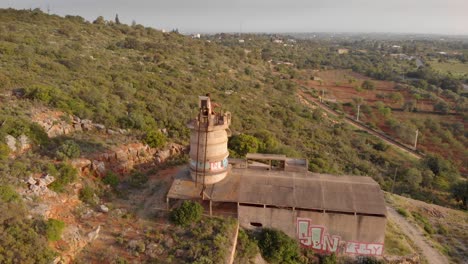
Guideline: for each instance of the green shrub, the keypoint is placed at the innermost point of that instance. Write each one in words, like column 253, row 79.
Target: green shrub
column 402, row 212
column 66, row 175
column 243, row 144
column 155, row 139
column 8, row 194
column 424, row 222
column 189, row 212
column 246, row 248
column 4, row 151
column 328, row 259
column 137, row 179
column 368, row 260
column 111, row 179
column 68, row 150
column 277, row 247
column 54, row 229
column 87, row 195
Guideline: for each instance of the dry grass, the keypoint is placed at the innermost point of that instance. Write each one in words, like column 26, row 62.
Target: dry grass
column 446, row 228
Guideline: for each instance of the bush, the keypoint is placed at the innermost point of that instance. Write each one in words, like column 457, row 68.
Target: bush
column 243, row 144
column 4, row 151
column 66, row 175
column 155, row 139
column 111, row 179
column 87, row 195
column 328, row 259
column 8, row 194
column 277, row 247
column 189, row 212
column 368, row 85
column 54, row 229
column 368, row 260
column 246, row 248
column 68, row 150
column 402, row 212
column 137, row 179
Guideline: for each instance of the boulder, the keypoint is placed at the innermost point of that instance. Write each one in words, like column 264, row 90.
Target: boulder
column 99, row 167
column 100, row 127
column 24, row 143
column 169, row 242
column 31, row 181
column 103, row 208
column 11, row 142
column 154, row 250
column 93, row 235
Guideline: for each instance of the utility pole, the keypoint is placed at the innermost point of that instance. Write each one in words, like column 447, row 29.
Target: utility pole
column 394, row 177
column 358, row 109
column 416, row 139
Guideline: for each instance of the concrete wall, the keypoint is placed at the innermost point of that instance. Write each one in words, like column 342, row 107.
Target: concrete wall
column 351, row 233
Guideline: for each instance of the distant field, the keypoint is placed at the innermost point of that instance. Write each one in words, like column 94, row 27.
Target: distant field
column 455, row 67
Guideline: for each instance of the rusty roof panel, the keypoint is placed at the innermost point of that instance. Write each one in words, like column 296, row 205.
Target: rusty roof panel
column 355, row 194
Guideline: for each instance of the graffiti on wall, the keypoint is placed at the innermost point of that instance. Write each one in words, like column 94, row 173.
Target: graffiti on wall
column 317, row 238
column 211, row 166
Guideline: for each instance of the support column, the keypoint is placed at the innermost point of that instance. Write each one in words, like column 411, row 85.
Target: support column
column 211, row 209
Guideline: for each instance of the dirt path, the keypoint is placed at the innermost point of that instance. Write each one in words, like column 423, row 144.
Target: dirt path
column 361, row 127
column 415, row 234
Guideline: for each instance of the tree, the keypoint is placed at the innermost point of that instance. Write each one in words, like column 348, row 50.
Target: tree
column 54, row 229
column 459, row 192
column 414, row 177
column 368, row 85
column 442, row 107
column 4, row 151
column 99, row 20
column 189, row 212
column 243, row 144
column 396, row 97
column 68, row 150
column 409, row 106
column 155, row 139
column 277, row 247
column 117, row 21
column 8, row 194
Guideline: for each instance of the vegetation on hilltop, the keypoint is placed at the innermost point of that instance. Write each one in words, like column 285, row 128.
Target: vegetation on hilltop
column 147, row 81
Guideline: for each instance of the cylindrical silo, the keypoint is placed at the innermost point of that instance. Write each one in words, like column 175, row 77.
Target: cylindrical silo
column 208, row 144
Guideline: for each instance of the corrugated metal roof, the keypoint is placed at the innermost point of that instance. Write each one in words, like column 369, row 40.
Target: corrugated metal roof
column 351, row 194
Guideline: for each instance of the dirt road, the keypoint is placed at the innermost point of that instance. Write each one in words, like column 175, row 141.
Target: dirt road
column 415, row 234
column 358, row 125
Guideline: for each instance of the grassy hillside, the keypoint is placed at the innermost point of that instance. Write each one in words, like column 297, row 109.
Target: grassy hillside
column 144, row 80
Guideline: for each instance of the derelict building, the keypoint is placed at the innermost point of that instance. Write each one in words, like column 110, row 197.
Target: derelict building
column 343, row 214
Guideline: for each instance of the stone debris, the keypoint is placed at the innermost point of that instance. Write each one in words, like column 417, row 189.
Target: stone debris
column 410, row 259
column 103, row 208
column 153, row 250
column 11, row 142
column 24, row 143
column 57, row 123
column 39, row 186
column 93, row 235
column 122, row 159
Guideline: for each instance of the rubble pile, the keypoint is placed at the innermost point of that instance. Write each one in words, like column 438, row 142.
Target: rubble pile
column 38, row 186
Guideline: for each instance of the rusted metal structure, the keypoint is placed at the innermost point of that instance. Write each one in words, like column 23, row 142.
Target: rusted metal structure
column 327, row 213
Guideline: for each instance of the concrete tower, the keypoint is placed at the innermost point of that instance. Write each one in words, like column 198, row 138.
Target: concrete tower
column 208, row 143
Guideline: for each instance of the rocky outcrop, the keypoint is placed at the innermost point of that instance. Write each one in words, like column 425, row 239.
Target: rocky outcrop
column 123, row 159
column 18, row 145
column 411, row 259
column 57, row 123
column 38, row 186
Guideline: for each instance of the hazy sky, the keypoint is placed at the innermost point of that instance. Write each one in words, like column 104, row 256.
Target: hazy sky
column 401, row 16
